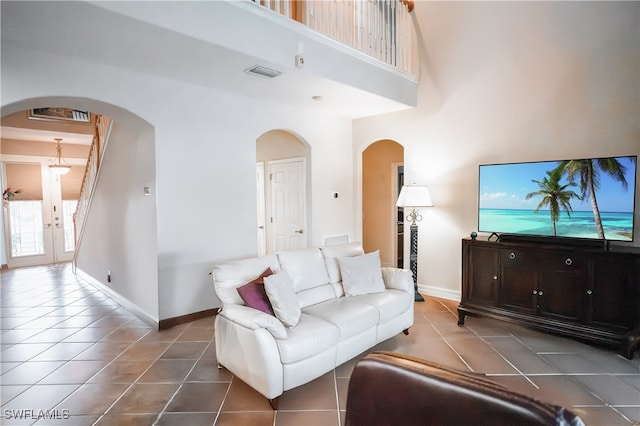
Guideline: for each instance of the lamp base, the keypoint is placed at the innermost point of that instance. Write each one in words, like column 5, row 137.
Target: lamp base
column 413, row 262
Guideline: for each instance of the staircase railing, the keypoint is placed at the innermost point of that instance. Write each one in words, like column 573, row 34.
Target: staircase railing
column 101, row 136
column 383, row 29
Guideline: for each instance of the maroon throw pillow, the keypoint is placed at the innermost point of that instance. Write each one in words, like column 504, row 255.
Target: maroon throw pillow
column 254, row 295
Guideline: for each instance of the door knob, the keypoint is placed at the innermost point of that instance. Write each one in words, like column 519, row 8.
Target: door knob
column 48, row 225
column 298, row 231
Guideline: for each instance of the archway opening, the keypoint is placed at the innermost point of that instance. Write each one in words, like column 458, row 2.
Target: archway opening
column 382, row 221
column 283, row 191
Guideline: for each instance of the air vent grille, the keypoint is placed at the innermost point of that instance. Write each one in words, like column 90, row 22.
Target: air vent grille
column 262, row 71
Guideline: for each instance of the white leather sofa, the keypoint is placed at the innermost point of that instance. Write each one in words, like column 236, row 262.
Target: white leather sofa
column 332, row 326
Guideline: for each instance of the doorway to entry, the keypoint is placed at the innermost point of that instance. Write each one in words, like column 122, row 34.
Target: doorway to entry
column 39, row 208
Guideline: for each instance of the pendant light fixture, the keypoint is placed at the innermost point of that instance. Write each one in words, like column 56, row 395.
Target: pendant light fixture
column 58, row 168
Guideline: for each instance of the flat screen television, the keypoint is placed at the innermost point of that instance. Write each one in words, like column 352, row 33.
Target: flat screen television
column 589, row 199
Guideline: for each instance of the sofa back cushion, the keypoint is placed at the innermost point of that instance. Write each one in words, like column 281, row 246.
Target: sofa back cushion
column 331, row 255
column 227, row 276
column 361, row 274
column 308, row 274
column 305, row 268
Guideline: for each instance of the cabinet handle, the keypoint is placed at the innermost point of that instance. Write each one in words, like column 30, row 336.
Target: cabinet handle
column 540, row 293
column 589, row 292
column 512, row 255
column 535, row 291
column 495, row 277
column 568, row 262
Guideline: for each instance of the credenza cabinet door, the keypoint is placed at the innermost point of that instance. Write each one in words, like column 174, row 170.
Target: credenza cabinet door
column 563, row 280
column 483, row 276
column 610, row 297
column 518, row 280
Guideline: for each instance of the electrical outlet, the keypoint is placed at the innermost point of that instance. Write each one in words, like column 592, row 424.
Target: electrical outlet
column 299, row 61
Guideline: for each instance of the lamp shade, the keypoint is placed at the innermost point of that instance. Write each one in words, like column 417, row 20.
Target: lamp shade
column 414, row 196
column 59, row 169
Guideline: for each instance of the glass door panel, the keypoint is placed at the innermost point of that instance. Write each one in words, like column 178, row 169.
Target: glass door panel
column 27, row 234
column 28, row 222
column 68, row 209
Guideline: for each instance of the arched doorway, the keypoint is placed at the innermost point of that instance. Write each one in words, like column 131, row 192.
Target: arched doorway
column 39, row 202
column 282, row 191
column 382, row 178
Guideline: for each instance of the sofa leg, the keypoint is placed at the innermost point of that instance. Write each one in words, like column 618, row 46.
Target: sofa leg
column 274, row 402
column 406, row 331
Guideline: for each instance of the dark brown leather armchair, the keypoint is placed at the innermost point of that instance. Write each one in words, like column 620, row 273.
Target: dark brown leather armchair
column 393, row 389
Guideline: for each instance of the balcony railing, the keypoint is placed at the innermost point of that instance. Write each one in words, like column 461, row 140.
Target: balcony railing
column 383, row 29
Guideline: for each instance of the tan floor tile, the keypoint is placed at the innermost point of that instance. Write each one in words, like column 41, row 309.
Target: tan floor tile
column 253, row 418
column 144, row 398
column 320, row 394
column 167, row 370
column 191, row 419
column 198, row 397
column 121, row 371
column 308, row 418
column 29, row 372
column 93, row 398
column 241, row 397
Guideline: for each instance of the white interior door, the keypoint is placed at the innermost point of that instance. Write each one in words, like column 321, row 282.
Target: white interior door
column 38, row 223
column 287, row 207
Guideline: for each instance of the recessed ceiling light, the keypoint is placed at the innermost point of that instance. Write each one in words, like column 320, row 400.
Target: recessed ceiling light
column 317, row 98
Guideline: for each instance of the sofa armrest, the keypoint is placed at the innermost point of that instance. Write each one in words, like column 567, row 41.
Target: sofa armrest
column 398, row 279
column 254, row 319
column 425, row 393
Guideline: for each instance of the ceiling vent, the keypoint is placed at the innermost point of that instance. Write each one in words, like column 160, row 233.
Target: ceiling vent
column 262, row 71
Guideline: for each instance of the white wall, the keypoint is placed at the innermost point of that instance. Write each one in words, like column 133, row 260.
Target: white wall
column 120, row 237
column 505, row 82
column 204, row 190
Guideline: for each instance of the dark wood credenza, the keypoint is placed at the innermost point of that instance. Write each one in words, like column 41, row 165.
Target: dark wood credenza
column 581, row 291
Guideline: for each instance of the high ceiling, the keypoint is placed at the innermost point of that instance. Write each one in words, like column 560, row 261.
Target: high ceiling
column 93, row 32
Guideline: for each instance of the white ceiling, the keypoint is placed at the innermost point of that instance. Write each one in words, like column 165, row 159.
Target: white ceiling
column 45, row 136
column 101, row 36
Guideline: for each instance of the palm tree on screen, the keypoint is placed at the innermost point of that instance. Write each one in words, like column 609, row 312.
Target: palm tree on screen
column 588, row 171
column 554, row 195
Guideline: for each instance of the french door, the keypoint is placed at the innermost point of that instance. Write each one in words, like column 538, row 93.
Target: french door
column 38, row 221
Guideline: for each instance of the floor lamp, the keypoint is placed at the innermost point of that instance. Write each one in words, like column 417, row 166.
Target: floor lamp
column 414, row 196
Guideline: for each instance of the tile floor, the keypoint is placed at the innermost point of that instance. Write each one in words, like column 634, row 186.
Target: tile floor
column 70, row 355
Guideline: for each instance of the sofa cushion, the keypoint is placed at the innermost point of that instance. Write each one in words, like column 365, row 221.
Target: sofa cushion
column 361, row 274
column 283, row 299
column 390, row 303
column 331, row 255
column 317, row 294
column 311, row 336
column 229, row 275
column 305, row 268
column 254, row 295
column 347, row 313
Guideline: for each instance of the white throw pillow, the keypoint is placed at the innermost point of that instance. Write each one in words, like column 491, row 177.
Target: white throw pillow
column 283, row 298
column 361, row 274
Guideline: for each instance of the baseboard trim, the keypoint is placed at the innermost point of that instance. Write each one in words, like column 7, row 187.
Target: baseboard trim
column 442, row 293
column 182, row 319
column 127, row 304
